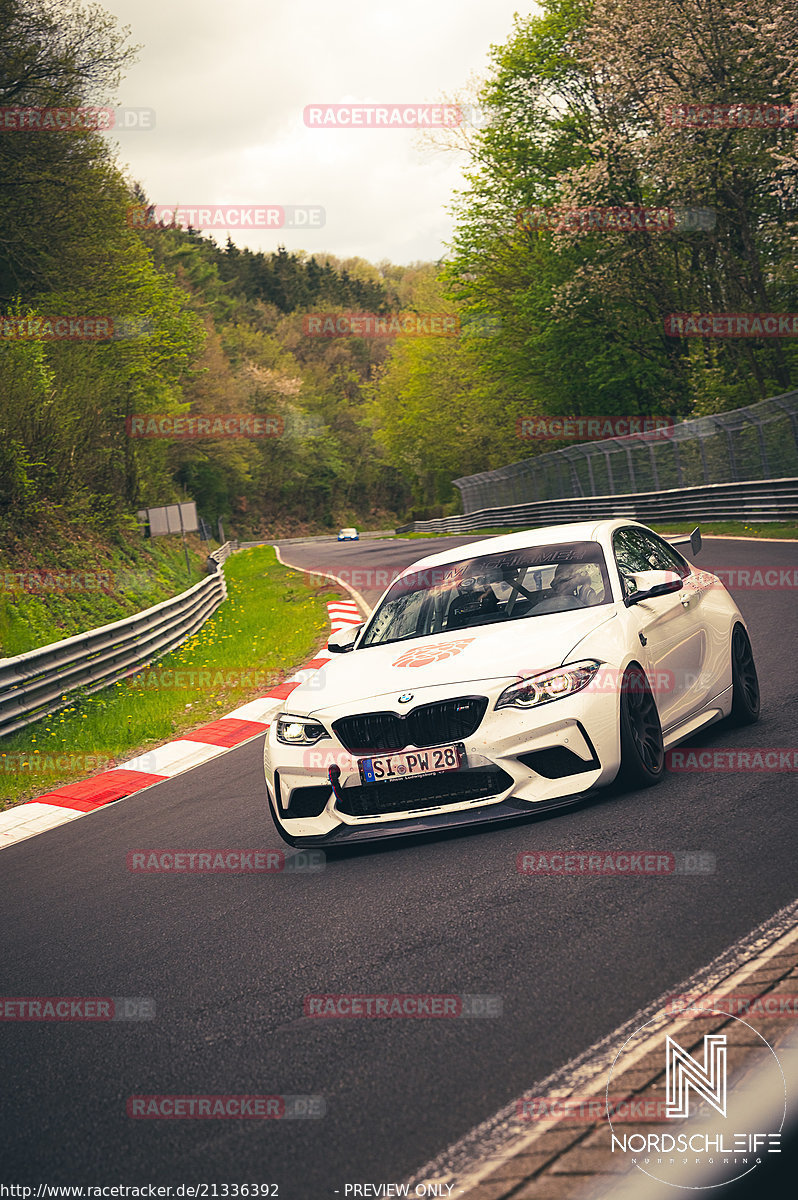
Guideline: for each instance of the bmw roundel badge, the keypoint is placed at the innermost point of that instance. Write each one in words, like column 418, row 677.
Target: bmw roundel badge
column 405, row 697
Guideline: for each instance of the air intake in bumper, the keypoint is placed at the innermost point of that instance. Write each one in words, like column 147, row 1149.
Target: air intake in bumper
column 424, row 791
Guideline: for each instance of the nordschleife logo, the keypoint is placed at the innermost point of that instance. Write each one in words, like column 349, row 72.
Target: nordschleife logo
column 704, row 1124
column 684, row 1073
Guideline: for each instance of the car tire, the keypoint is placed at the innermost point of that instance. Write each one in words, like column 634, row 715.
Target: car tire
column 642, row 749
column 745, row 683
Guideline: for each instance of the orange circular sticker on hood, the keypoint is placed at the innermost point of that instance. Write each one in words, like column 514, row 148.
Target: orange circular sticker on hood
column 422, row 656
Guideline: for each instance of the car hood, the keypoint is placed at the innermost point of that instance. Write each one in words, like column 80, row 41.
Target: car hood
column 460, row 657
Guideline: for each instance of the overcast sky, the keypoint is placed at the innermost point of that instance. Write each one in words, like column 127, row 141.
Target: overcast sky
column 229, row 83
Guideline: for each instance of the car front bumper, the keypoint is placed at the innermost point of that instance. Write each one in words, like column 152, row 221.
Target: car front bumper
column 517, row 762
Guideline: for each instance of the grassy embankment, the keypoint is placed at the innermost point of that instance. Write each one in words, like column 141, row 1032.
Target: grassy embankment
column 58, row 586
column 271, row 623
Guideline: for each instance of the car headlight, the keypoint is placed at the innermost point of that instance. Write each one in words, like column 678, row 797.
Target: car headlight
column 299, row 731
column 548, row 685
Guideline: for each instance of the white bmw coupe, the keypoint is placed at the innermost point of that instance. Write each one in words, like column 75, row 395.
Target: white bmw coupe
column 508, row 676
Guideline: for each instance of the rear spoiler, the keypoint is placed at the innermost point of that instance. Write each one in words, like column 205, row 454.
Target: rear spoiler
column 693, row 540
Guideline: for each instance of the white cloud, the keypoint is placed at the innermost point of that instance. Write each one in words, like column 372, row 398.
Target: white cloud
column 229, row 85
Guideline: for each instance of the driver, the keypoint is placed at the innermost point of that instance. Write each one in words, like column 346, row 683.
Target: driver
column 569, row 578
column 476, row 597
column 570, row 588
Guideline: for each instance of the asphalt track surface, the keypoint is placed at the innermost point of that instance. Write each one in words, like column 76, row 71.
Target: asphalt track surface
column 228, row 959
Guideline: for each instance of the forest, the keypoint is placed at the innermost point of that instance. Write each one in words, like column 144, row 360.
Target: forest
column 552, row 316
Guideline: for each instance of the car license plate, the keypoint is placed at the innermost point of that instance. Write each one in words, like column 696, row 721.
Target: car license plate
column 386, row 768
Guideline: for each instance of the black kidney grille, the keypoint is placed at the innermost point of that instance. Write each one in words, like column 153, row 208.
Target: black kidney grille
column 371, row 731
column 427, row 725
column 448, row 720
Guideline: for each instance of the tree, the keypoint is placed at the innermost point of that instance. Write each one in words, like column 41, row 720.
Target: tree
column 581, row 96
column 66, row 250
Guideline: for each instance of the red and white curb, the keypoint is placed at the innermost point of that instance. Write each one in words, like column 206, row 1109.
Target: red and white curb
column 164, row 762
column 343, row 613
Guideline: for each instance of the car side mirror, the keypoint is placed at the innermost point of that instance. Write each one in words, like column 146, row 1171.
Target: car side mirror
column 344, row 640
column 645, row 585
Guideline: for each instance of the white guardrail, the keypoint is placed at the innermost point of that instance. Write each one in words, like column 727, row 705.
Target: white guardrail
column 35, row 684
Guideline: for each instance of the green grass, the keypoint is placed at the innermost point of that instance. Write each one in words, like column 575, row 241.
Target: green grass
column 477, row 533
column 767, row 529
column 51, row 592
column 270, row 624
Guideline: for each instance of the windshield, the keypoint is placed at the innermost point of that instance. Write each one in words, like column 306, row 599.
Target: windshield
column 504, row 586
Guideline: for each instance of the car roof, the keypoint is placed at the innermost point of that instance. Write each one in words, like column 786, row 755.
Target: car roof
column 575, row 531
